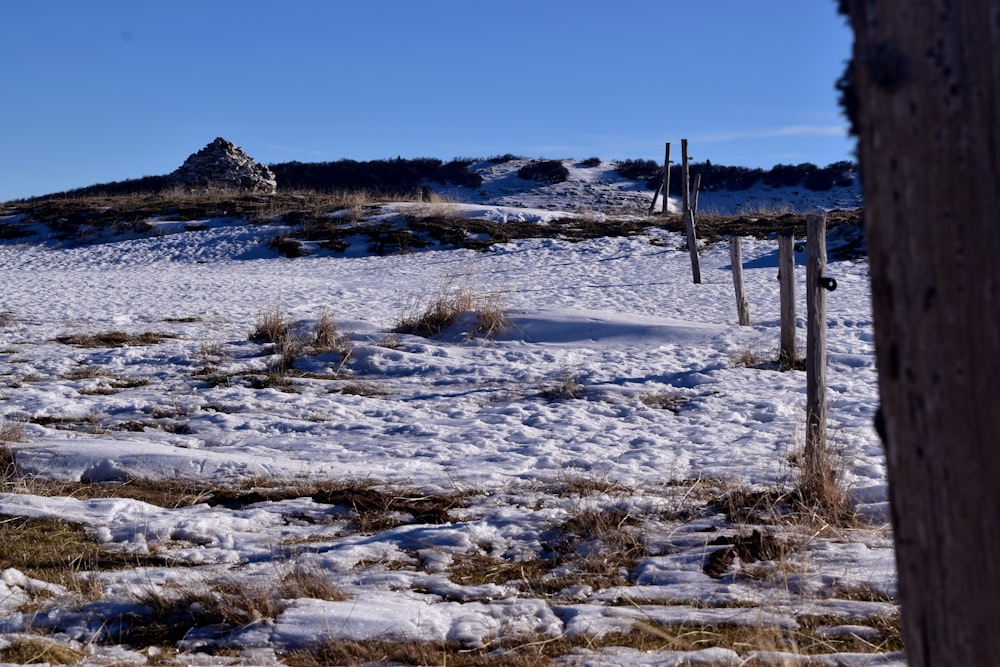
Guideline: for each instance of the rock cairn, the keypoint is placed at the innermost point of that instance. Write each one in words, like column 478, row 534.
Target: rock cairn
column 222, row 165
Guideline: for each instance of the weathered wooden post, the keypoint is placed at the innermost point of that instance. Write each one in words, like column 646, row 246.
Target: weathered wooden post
column 925, row 79
column 816, row 470
column 736, row 261
column 694, row 194
column 666, row 181
column 685, row 178
column 663, row 186
column 692, row 240
column 787, row 354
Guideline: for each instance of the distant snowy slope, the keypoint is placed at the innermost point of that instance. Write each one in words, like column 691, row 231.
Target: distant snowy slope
column 601, row 188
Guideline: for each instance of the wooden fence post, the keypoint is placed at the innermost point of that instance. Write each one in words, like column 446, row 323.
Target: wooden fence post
column 666, row 181
column 787, row 355
column 694, row 193
column 685, row 177
column 816, row 468
column 692, row 239
column 736, row 261
column 663, row 186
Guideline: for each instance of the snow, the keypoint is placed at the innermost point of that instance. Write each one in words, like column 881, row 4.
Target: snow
column 617, row 317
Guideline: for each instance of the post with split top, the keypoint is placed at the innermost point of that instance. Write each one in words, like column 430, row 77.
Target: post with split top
column 816, row 462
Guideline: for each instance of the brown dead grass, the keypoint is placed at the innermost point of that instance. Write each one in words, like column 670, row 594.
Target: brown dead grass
column 372, row 508
column 271, row 327
column 598, row 544
column 456, row 295
column 563, row 387
column 56, row 551
column 594, row 546
column 112, row 339
column 29, row 651
column 327, row 338
column 754, row 643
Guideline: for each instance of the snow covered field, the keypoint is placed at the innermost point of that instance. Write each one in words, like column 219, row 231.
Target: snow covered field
column 565, row 480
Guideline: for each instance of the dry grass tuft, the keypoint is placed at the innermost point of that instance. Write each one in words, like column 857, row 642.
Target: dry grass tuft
column 765, row 209
column 594, row 546
column 390, row 341
column 491, row 319
column 749, row 357
column 579, row 485
column 11, row 430
column 433, row 318
column 327, row 338
column 597, row 546
column 272, row 326
column 820, row 507
column 9, row 471
column 374, row 510
column 29, row 651
column 212, row 354
column 106, row 384
column 664, row 400
column 820, row 491
column 273, row 329
column 455, row 297
column 564, row 387
column 303, row 581
column 170, row 614
column 362, row 388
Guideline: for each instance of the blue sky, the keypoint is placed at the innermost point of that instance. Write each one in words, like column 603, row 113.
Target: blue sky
column 106, row 90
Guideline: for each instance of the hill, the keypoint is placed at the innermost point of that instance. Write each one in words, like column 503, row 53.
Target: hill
column 623, row 186
column 405, row 205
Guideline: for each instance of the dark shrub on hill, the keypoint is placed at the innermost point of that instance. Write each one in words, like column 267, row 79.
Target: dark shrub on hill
column 820, row 180
column 742, row 178
column 591, row 162
column 146, row 184
column 843, row 166
column 640, row 170
column 714, row 177
column 323, row 176
column 389, row 176
column 844, row 172
column 788, row 175
column 544, row 171
column 506, row 157
column 457, row 172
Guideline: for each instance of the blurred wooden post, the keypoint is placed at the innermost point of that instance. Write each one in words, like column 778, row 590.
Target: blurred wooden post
column 694, row 194
column 685, row 177
column 815, row 468
column 736, row 261
column 652, row 204
column 786, row 279
column 666, row 181
column 692, row 240
column 663, row 186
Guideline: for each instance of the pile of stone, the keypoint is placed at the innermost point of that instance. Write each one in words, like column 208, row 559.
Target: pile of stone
column 222, row 165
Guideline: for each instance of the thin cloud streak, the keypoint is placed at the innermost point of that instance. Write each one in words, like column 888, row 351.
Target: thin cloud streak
column 305, row 151
column 788, row 131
